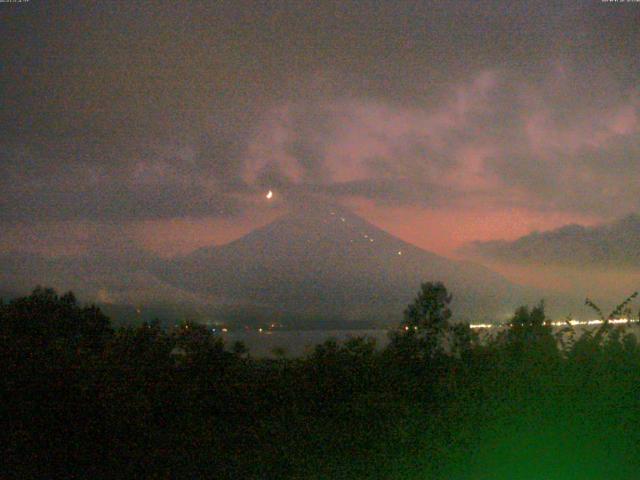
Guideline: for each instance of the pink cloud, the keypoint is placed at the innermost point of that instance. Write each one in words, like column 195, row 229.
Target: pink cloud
column 494, row 139
column 363, row 130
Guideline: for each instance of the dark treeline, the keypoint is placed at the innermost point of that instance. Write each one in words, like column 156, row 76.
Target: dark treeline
column 82, row 400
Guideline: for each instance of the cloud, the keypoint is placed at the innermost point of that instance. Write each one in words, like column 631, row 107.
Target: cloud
column 169, row 185
column 498, row 138
column 432, row 104
column 611, row 245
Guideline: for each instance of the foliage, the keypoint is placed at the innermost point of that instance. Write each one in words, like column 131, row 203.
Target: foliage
column 530, row 334
column 143, row 402
column 54, row 321
column 426, row 323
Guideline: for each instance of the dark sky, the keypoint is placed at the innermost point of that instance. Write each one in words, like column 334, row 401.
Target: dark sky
column 443, row 122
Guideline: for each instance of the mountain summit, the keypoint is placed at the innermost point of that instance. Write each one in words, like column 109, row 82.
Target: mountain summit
column 325, row 262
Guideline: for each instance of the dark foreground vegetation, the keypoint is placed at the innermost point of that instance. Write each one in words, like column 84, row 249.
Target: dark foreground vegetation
column 81, row 400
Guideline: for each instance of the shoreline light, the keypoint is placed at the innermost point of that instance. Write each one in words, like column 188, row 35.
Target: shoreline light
column 616, row 321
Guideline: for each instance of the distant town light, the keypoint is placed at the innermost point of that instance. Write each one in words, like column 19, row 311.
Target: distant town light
column 614, row 321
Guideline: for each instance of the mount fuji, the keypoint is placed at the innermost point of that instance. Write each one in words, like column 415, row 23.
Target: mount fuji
column 325, row 263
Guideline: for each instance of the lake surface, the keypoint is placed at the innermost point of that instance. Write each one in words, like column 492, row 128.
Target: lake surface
column 301, row 342
column 297, row 342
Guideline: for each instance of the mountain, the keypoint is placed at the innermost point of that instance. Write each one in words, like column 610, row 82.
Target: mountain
column 326, row 263
column 122, row 280
column 614, row 245
column 318, row 267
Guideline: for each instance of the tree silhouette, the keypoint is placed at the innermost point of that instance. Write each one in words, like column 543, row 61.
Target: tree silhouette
column 426, row 321
column 530, row 333
column 150, row 398
column 200, row 346
column 430, row 309
column 56, row 321
column 239, row 348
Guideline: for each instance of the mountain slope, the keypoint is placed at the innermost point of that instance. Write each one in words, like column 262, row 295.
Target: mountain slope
column 326, row 262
